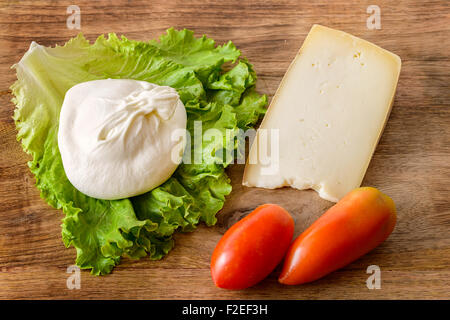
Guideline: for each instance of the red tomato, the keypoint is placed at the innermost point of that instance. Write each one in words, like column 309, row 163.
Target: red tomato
column 252, row 248
column 359, row 222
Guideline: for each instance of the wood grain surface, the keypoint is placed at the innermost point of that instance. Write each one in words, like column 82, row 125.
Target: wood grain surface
column 411, row 162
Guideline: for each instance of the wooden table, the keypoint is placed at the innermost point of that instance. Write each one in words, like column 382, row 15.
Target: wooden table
column 411, row 163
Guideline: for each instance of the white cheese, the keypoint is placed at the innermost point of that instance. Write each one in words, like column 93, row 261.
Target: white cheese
column 326, row 117
column 116, row 136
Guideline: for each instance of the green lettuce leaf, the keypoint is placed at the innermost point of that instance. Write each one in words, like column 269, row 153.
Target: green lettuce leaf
column 103, row 231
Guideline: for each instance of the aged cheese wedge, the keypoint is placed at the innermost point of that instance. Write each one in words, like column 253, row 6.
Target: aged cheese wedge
column 326, row 117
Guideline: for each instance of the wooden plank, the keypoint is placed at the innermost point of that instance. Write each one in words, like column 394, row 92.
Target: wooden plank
column 411, row 163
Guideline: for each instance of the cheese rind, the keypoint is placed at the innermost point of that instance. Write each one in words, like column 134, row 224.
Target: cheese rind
column 329, row 112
